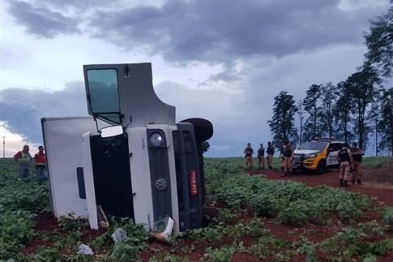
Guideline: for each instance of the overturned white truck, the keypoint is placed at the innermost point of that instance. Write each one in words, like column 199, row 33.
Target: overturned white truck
column 131, row 158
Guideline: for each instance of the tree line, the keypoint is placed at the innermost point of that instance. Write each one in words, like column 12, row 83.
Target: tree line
column 355, row 109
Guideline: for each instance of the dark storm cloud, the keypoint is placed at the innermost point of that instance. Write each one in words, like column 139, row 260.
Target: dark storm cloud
column 222, row 30
column 42, row 21
column 23, row 109
column 79, row 4
column 208, row 31
column 22, row 118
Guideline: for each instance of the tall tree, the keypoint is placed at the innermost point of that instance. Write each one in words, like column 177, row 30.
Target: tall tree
column 282, row 124
column 329, row 97
column 385, row 125
column 311, row 104
column 342, row 113
column 374, row 117
column 363, row 90
column 379, row 43
column 301, row 115
column 205, row 146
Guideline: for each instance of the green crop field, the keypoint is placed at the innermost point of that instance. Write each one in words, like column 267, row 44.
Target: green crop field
column 320, row 223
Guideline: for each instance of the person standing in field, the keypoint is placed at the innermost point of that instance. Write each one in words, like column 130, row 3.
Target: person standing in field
column 23, row 159
column 357, row 156
column 40, row 164
column 261, row 157
column 286, row 152
column 248, row 152
column 344, row 157
column 270, row 152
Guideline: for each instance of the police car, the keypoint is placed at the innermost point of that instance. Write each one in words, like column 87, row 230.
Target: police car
column 317, row 155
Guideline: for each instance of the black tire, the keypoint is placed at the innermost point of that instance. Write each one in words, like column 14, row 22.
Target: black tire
column 321, row 167
column 203, row 128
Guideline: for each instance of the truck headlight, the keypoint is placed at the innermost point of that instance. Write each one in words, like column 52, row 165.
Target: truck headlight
column 156, row 139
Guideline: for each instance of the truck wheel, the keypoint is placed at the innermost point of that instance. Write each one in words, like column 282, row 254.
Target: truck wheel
column 203, row 128
column 321, row 167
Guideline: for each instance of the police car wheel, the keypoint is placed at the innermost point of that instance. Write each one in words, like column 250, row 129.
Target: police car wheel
column 321, row 167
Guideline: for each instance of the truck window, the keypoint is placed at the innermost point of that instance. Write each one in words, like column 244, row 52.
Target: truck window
column 103, row 94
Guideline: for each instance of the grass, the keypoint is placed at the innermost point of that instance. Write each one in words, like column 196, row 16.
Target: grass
column 374, row 161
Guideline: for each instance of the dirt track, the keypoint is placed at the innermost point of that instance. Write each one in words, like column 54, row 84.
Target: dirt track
column 382, row 192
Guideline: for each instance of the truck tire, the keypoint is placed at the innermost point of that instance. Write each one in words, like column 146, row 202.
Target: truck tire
column 203, row 128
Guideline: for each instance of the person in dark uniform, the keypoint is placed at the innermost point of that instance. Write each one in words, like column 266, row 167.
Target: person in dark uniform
column 344, row 158
column 286, row 152
column 357, row 156
column 261, row 157
column 248, row 152
column 270, row 152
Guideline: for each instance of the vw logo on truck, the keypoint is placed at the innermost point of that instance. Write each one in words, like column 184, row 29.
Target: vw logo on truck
column 130, row 158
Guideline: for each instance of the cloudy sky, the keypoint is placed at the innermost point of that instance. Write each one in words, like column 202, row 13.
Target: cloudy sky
column 217, row 59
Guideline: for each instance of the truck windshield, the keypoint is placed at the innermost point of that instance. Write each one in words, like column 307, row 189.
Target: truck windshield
column 103, row 95
column 313, row 145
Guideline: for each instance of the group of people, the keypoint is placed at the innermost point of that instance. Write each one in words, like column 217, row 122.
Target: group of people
column 269, row 152
column 350, row 160
column 24, row 160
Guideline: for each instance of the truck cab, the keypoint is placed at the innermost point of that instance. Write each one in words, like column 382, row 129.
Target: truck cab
column 132, row 158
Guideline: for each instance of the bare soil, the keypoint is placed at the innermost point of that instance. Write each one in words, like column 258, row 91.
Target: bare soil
column 383, row 194
column 382, row 191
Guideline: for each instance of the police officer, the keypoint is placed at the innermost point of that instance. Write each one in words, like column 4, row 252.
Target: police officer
column 248, row 152
column 357, row 156
column 270, row 152
column 345, row 160
column 261, row 157
column 286, row 153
